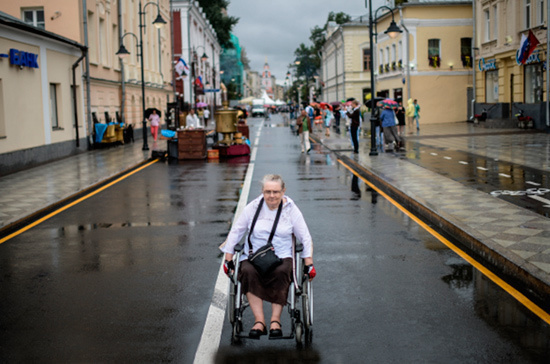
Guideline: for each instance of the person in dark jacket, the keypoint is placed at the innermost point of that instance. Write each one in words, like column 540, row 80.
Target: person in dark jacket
column 355, row 116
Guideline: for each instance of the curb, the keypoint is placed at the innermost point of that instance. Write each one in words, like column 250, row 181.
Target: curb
column 20, row 223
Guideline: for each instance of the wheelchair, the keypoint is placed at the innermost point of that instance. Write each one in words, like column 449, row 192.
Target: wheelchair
column 301, row 291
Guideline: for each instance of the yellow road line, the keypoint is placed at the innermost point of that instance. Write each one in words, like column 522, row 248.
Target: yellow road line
column 61, row 209
column 493, row 277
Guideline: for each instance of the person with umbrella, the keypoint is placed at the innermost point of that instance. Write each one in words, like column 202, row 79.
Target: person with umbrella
column 154, row 118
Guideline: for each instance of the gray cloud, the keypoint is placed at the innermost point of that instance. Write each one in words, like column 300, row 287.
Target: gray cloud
column 274, row 29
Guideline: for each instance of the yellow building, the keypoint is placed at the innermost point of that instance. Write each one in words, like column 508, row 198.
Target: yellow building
column 115, row 90
column 38, row 95
column 430, row 60
column 345, row 72
column 504, row 85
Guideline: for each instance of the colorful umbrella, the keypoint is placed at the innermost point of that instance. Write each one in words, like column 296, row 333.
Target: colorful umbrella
column 388, row 103
column 202, row 104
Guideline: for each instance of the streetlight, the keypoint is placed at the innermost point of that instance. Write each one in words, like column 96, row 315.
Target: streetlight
column 123, row 52
column 392, row 31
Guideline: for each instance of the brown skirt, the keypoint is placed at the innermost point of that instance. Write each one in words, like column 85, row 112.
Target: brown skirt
column 272, row 288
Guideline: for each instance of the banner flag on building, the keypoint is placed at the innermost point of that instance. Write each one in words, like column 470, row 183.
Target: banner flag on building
column 526, row 47
column 181, row 67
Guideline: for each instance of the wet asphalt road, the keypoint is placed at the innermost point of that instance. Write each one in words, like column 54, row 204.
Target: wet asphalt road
column 128, row 275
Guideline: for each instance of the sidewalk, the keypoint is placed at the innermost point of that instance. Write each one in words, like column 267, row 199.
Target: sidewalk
column 513, row 239
column 27, row 192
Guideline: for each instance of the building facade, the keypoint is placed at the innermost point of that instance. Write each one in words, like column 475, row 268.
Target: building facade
column 504, row 85
column 430, row 60
column 195, row 41
column 115, row 87
column 344, row 73
column 41, row 106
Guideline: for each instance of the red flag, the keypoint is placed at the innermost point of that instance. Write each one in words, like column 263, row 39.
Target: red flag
column 527, row 46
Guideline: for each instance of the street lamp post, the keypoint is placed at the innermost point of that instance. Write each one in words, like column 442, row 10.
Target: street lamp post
column 392, row 31
column 123, row 52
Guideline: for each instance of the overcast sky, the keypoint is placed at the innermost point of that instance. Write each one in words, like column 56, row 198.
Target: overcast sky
column 275, row 28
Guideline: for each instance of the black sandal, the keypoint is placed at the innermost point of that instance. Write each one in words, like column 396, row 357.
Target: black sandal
column 276, row 332
column 255, row 333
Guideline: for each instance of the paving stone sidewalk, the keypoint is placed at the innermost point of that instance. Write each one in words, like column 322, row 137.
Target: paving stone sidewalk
column 511, row 234
column 24, row 193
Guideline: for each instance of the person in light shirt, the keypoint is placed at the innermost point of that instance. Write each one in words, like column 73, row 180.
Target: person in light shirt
column 192, row 121
column 274, row 286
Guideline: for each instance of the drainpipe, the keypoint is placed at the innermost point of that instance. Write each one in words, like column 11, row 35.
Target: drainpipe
column 547, row 65
column 88, row 96
column 474, row 41
column 407, row 55
column 343, row 63
column 74, row 96
column 121, row 62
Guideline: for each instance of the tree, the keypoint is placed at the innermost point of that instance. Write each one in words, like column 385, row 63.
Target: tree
column 220, row 21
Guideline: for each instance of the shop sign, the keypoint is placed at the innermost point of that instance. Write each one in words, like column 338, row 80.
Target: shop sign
column 23, row 59
column 488, row 65
column 533, row 58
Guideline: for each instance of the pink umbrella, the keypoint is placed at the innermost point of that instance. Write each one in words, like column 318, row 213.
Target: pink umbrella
column 202, row 104
column 389, row 103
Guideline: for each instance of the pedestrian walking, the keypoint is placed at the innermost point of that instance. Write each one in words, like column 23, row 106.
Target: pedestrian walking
column 391, row 137
column 304, row 126
column 327, row 117
column 417, row 113
column 400, row 113
column 355, row 115
column 409, row 112
column 206, row 115
column 154, row 119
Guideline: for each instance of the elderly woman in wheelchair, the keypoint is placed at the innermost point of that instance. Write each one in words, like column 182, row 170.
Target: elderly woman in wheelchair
column 279, row 221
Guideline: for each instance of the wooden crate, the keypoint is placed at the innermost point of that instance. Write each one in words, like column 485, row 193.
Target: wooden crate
column 191, row 144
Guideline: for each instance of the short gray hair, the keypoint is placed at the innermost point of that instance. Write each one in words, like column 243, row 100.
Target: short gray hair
column 273, row 178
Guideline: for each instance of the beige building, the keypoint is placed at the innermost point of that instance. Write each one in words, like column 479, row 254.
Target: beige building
column 38, row 96
column 114, row 95
column 430, row 60
column 504, row 85
column 344, row 66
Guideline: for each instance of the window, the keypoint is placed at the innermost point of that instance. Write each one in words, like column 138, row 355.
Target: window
column 92, row 37
column 527, row 14
column 34, row 17
column 466, row 51
column 53, row 106
column 487, row 35
column 495, row 22
column 434, row 57
column 366, row 59
column 491, row 86
column 102, row 43
column 533, row 83
column 540, row 11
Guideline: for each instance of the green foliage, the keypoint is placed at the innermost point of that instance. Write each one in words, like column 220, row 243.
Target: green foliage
column 222, row 24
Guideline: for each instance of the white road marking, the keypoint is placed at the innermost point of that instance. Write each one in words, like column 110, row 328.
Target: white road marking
column 433, row 153
column 541, row 199
column 211, row 333
column 462, row 162
column 504, row 175
column 482, row 168
column 533, row 183
column 448, row 158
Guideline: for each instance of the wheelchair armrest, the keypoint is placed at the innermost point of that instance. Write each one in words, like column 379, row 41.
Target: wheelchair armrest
column 239, row 247
column 299, row 246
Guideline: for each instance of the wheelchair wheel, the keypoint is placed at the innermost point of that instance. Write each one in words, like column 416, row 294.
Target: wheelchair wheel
column 307, row 311
column 299, row 333
column 231, row 303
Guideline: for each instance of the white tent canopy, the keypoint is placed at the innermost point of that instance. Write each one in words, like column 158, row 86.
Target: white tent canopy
column 278, row 102
column 267, row 100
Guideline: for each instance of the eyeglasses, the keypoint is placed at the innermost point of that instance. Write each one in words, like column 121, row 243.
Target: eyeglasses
column 267, row 192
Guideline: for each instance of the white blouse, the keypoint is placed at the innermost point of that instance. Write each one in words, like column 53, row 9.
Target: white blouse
column 291, row 222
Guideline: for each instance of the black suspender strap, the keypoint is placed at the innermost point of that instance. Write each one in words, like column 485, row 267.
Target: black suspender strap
column 256, row 218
